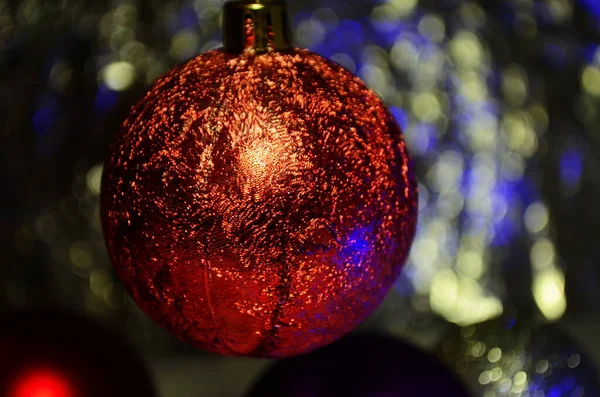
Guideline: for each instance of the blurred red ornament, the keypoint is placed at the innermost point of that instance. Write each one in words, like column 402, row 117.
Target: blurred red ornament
column 259, row 203
column 42, row 383
column 50, row 353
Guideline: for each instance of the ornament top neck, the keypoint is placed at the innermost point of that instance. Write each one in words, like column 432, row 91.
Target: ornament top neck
column 259, row 25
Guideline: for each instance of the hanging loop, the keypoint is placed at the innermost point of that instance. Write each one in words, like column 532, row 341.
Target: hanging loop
column 257, row 25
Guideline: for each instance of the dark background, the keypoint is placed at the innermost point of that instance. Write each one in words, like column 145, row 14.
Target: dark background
column 498, row 100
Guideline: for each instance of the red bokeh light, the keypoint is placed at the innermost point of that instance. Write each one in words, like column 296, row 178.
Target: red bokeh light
column 42, row 383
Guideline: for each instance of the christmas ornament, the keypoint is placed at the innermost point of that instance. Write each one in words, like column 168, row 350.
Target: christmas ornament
column 48, row 353
column 367, row 365
column 519, row 358
column 259, row 200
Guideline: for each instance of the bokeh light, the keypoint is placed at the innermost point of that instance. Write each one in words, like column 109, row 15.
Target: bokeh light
column 42, row 383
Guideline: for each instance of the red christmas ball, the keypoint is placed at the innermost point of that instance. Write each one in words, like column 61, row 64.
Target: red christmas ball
column 259, row 204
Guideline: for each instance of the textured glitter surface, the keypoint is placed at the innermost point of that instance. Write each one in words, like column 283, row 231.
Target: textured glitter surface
column 259, row 205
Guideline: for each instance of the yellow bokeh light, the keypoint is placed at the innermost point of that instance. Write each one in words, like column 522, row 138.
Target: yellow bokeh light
column 484, row 170
column 118, row 76
column 404, row 54
column 447, row 172
column 504, row 385
column 433, row 27
column 549, row 293
column 467, row 332
column 466, row 50
column 515, row 85
column 60, row 75
column 472, row 14
column 450, row 203
column 590, row 80
column 540, row 117
column 543, row 254
column 494, row 355
column 424, row 252
column 515, row 130
column 470, row 263
column 93, row 179
column 519, row 134
column 513, row 166
column 473, row 87
column 99, row 280
column 120, row 37
column 483, row 133
column 478, row 349
column 426, row 106
column 125, row 15
column 133, row 51
column 485, row 377
column 80, row 256
column 536, row 218
column 520, row 378
column 444, row 290
column 496, row 374
column 428, row 73
column 393, row 10
column 542, row 366
column 561, row 10
column 403, row 7
column 377, row 79
column 462, row 300
column 185, row 44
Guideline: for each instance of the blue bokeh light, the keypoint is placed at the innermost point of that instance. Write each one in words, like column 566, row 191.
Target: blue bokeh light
column 571, row 167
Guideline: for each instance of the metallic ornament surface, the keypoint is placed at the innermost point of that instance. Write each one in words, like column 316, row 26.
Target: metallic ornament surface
column 259, row 204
